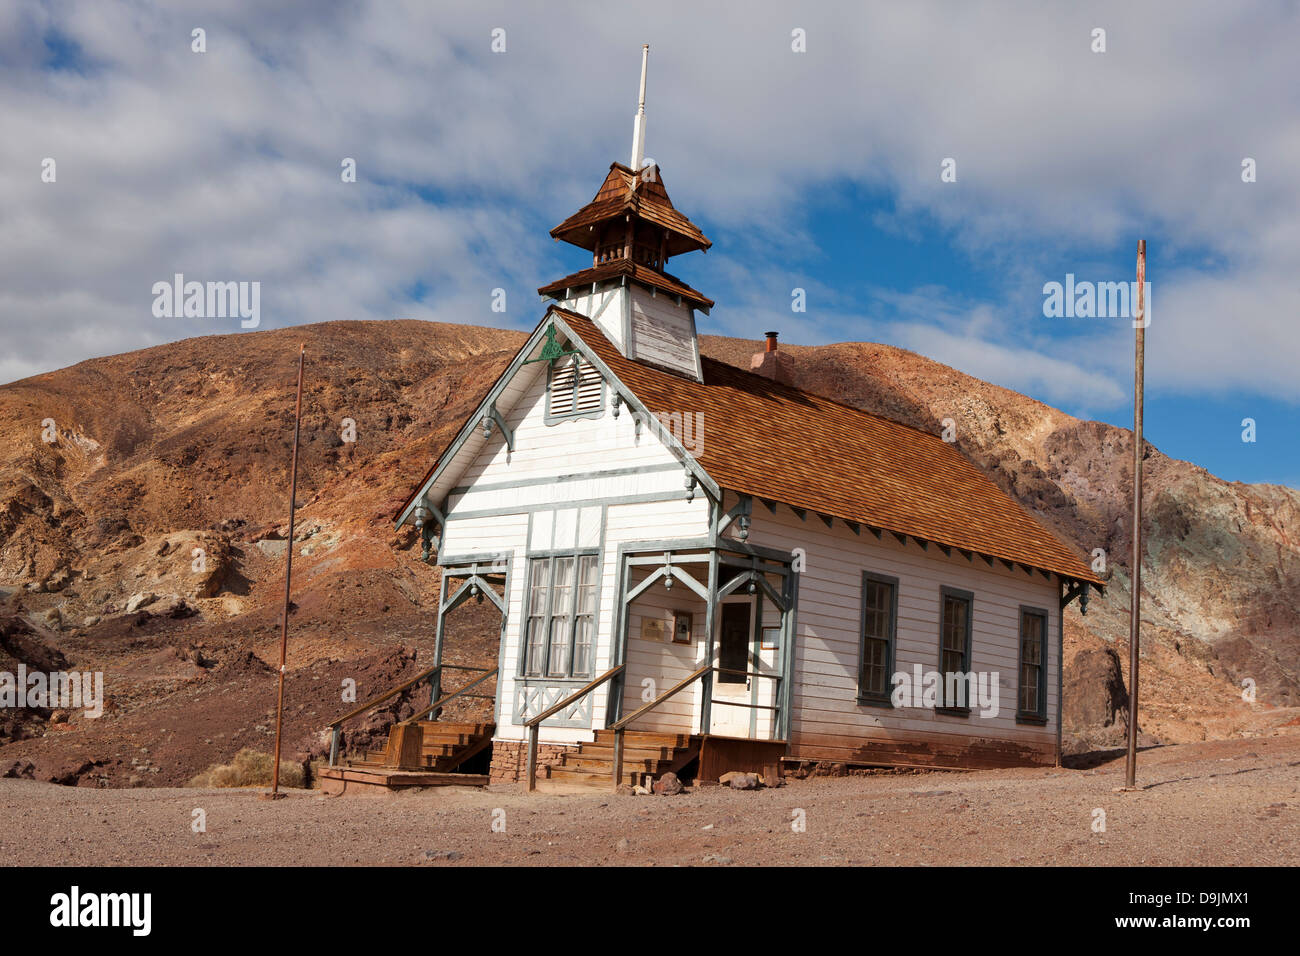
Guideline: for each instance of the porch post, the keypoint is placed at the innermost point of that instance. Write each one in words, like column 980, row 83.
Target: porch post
column 710, row 606
column 618, row 643
column 788, row 629
column 753, row 657
column 436, row 684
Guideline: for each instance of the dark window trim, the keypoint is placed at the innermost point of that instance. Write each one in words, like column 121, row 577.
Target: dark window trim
column 1039, row 716
column 946, row 592
column 865, row 698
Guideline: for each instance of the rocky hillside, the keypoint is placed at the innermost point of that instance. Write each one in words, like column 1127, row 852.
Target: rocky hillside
column 147, row 539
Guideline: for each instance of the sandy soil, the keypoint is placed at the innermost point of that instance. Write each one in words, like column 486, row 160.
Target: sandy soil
column 1220, row 802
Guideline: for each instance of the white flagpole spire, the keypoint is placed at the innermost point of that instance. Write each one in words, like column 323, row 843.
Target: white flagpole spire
column 638, row 124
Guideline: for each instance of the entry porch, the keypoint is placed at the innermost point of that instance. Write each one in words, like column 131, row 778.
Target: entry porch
column 700, row 656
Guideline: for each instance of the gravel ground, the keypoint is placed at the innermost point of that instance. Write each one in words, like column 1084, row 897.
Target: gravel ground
column 1222, row 803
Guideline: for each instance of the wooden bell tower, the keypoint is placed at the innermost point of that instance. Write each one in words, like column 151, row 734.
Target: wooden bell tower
column 632, row 229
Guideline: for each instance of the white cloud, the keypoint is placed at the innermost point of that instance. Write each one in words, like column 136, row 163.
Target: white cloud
column 225, row 165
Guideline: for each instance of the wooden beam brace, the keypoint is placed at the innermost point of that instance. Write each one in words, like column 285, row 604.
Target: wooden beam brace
column 644, row 586
column 491, row 416
column 734, row 584
column 740, row 512
column 459, row 597
column 487, row 589
column 781, row 603
column 1079, row 590
column 690, row 582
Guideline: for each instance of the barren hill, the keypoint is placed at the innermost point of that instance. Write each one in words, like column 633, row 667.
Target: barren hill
column 147, row 540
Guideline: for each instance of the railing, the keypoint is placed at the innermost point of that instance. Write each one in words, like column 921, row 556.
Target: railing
column 534, row 722
column 431, row 675
column 463, row 692
column 619, row 726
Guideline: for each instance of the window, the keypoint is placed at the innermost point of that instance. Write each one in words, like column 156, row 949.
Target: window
column 954, row 650
column 1031, row 702
column 561, row 626
column 879, row 621
column 574, row 389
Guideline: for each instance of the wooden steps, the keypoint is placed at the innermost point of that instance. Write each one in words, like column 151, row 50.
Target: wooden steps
column 647, row 755
column 423, row 754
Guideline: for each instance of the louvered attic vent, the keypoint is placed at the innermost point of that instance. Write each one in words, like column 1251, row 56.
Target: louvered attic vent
column 575, row 389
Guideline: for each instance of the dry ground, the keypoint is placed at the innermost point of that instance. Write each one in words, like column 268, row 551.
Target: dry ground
column 1221, row 802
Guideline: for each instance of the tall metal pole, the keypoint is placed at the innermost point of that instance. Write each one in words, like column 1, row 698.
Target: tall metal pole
column 288, row 571
column 1135, row 614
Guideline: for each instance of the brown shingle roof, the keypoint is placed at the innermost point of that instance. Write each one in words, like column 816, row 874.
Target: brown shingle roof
column 633, row 270
column 775, row 442
column 624, row 192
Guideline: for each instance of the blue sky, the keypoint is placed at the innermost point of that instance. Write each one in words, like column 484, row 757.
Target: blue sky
column 817, row 169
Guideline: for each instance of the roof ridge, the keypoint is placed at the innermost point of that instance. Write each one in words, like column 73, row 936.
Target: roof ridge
column 794, row 388
column 820, row 397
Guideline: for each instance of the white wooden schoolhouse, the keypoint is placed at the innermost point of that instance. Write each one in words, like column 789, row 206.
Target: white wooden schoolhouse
column 702, row 569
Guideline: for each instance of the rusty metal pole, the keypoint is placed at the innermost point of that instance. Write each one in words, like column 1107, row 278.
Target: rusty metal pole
column 275, row 793
column 1135, row 614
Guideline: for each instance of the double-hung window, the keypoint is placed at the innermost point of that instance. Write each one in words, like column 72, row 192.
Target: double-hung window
column 879, row 623
column 955, row 650
column 1031, row 699
column 561, row 625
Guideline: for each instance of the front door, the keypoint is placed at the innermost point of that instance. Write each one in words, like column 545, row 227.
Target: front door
column 734, row 639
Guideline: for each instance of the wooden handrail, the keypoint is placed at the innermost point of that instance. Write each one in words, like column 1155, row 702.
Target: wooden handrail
column 581, row 692
column 672, row 691
column 452, row 696
column 533, row 723
column 620, row 726
column 335, row 726
column 362, row 708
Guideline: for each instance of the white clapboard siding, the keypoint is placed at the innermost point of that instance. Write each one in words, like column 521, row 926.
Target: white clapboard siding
column 664, row 664
column 655, row 666
column 567, row 476
column 826, row 720
column 546, row 451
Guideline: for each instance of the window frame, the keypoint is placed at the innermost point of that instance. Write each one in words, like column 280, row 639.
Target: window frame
column 945, row 593
column 551, row 417
column 548, row 616
column 865, row 697
column 1038, row 716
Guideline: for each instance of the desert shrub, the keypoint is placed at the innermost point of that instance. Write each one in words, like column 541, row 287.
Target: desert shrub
column 250, row 768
